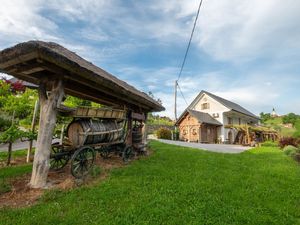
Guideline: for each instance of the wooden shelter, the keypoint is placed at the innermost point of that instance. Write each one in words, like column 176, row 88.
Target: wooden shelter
column 58, row 71
column 34, row 61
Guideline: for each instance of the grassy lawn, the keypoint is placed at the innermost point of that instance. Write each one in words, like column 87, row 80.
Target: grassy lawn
column 14, row 154
column 178, row 185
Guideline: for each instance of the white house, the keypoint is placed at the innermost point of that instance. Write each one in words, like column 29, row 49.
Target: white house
column 206, row 117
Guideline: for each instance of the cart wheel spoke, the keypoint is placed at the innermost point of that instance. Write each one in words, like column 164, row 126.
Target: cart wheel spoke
column 82, row 161
column 58, row 157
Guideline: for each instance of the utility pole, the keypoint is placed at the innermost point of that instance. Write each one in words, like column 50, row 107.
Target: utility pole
column 175, row 98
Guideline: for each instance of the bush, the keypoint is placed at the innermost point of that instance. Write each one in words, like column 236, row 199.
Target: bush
column 269, row 144
column 164, row 133
column 176, row 134
column 288, row 141
column 4, row 124
column 290, row 118
column 290, row 150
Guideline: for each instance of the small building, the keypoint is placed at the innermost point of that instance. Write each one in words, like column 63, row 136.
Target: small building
column 273, row 113
column 206, row 118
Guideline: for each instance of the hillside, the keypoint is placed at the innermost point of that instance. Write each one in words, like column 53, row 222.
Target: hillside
column 277, row 124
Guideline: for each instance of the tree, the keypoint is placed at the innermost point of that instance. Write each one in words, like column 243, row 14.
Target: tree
column 4, row 92
column 20, row 103
column 9, row 137
column 290, row 118
column 264, row 117
column 72, row 101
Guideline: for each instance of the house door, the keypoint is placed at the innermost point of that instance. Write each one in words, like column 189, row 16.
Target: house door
column 208, row 133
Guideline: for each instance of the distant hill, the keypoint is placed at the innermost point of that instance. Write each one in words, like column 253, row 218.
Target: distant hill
column 277, row 124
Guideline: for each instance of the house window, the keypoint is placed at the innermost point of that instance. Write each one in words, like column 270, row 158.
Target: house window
column 205, row 106
column 229, row 120
column 239, row 121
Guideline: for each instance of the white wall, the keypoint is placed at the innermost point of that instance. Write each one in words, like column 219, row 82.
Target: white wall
column 214, row 107
column 224, row 113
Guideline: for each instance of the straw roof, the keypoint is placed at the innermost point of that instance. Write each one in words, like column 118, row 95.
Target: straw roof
column 31, row 61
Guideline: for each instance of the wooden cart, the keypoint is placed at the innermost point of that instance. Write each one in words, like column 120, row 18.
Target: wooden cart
column 95, row 130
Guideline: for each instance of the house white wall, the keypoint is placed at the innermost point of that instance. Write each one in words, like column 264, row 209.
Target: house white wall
column 214, row 107
column 223, row 112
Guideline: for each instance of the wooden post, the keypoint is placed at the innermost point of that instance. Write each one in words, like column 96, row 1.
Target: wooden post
column 62, row 134
column 175, row 98
column 144, row 132
column 48, row 115
column 10, row 143
column 129, row 129
column 247, row 133
column 189, row 134
column 33, row 123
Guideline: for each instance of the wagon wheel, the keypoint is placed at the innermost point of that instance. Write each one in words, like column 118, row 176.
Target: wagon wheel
column 57, row 158
column 127, row 154
column 82, row 161
column 104, row 152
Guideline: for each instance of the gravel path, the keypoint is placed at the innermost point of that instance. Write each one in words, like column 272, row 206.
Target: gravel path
column 221, row 148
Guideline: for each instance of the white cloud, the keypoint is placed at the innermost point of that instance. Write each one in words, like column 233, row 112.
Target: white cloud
column 243, row 30
column 252, row 91
column 20, row 20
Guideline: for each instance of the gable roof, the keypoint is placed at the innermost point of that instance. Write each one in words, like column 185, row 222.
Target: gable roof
column 231, row 105
column 200, row 116
column 30, row 61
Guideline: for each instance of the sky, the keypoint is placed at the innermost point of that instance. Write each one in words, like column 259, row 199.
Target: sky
column 245, row 51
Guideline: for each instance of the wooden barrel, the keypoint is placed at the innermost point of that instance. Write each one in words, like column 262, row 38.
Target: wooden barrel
column 77, row 129
column 137, row 136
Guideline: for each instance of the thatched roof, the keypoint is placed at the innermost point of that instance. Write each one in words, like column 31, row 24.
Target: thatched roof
column 30, row 61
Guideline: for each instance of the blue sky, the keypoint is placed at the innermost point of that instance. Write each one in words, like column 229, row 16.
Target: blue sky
column 245, row 51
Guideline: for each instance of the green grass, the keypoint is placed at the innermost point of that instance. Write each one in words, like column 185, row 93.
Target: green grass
column 15, row 154
column 10, row 172
column 178, row 185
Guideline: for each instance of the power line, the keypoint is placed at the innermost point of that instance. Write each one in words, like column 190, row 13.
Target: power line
column 191, row 37
column 183, row 63
column 182, row 94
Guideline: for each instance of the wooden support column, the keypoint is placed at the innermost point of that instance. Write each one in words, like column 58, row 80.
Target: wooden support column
column 33, row 123
column 129, row 129
column 199, row 134
column 48, row 114
column 247, row 134
column 144, row 133
column 189, row 134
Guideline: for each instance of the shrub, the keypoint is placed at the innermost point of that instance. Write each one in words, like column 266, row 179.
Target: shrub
column 288, row 141
column 269, row 144
column 4, row 124
column 176, row 134
column 164, row 133
column 290, row 150
column 297, row 132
